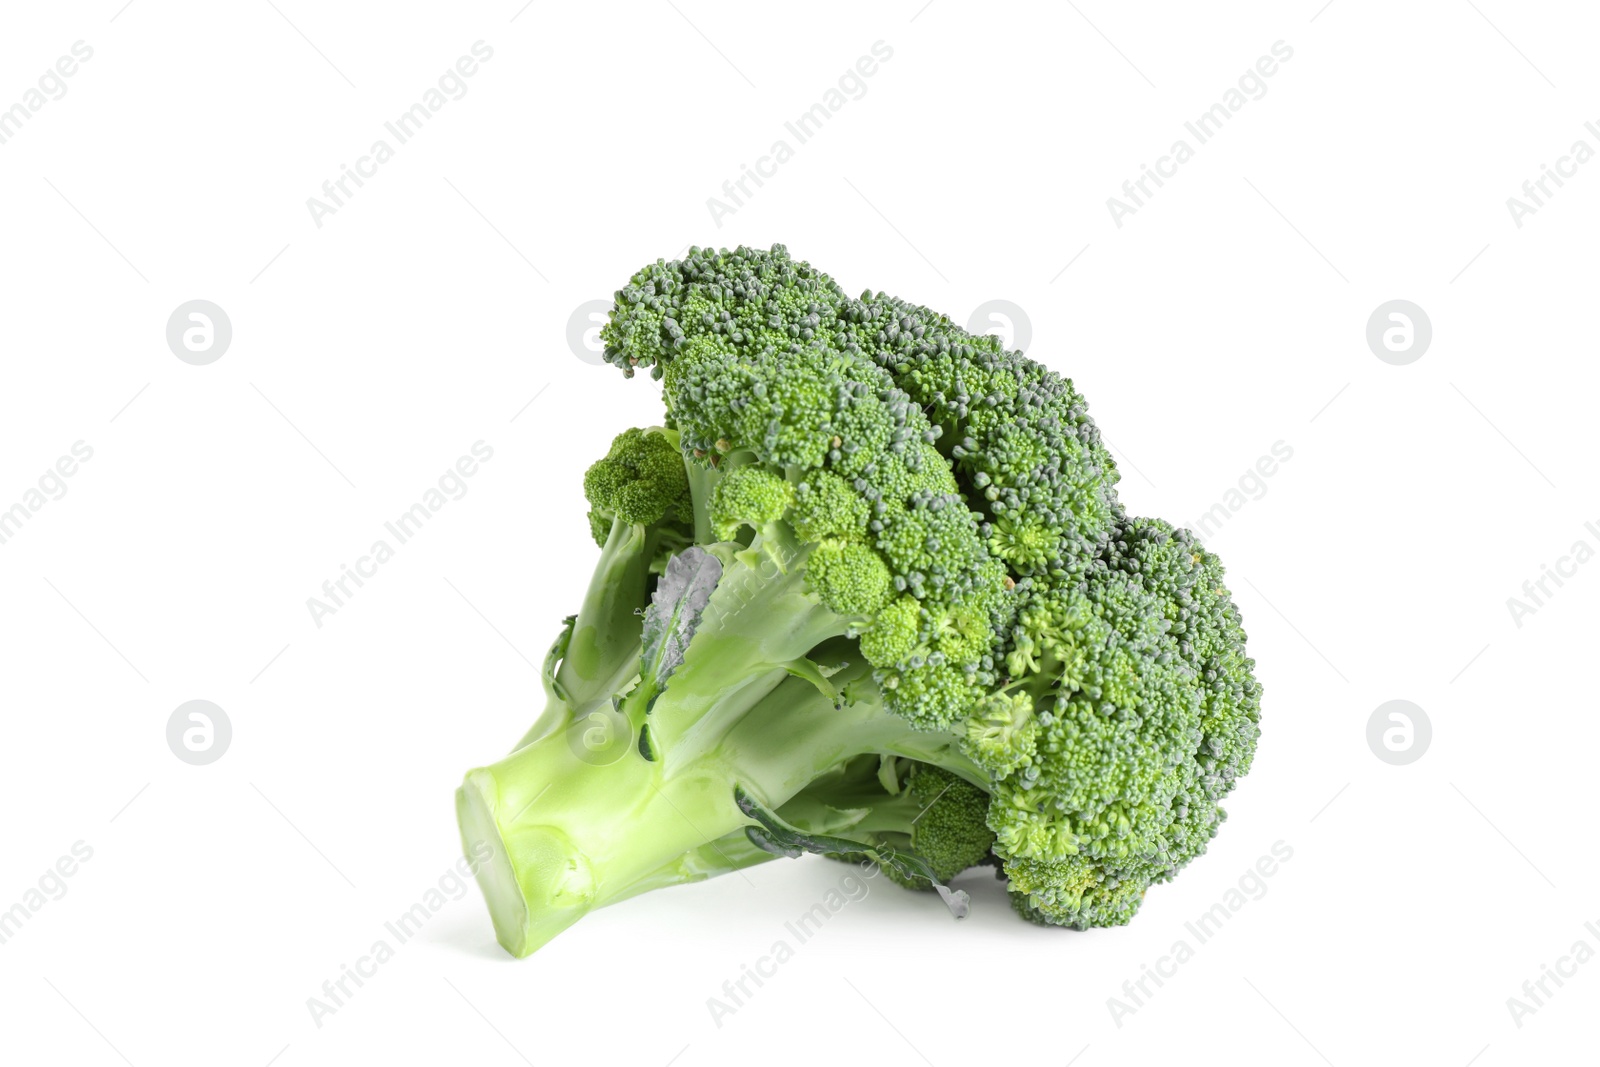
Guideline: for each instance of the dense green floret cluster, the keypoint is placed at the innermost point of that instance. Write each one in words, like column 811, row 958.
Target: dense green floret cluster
column 948, row 828
column 1211, row 641
column 827, row 438
column 1017, row 437
column 640, row 481
column 869, row 593
column 1148, row 714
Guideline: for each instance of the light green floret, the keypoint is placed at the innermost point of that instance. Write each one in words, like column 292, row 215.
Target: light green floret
column 893, row 635
column 1002, row 732
column 748, row 496
column 641, row 481
column 849, row 577
column 827, row 506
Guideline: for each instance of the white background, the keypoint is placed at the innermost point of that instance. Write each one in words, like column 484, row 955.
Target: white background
column 368, row 354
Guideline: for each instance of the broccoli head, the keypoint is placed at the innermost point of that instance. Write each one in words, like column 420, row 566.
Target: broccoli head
column 868, row 593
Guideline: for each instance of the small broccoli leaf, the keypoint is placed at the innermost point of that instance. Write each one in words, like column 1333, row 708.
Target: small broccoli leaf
column 557, row 653
column 889, row 774
column 674, row 613
column 804, row 668
column 768, row 843
column 780, row 838
column 957, row 900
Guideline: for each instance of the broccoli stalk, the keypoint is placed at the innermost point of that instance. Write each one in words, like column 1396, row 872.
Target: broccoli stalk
column 712, row 692
column 598, row 647
column 569, row 833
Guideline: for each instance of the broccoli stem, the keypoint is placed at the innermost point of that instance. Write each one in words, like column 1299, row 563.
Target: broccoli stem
column 729, row 853
column 571, row 828
column 601, row 652
column 702, row 479
column 853, row 802
column 567, row 835
column 605, row 638
column 758, row 624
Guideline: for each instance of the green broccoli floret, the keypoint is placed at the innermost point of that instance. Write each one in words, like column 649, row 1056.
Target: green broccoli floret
column 948, row 828
column 1155, row 711
column 1003, row 731
column 871, row 594
column 641, row 481
column 749, row 496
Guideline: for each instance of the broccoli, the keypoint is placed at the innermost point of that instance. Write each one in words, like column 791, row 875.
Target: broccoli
column 868, row 593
